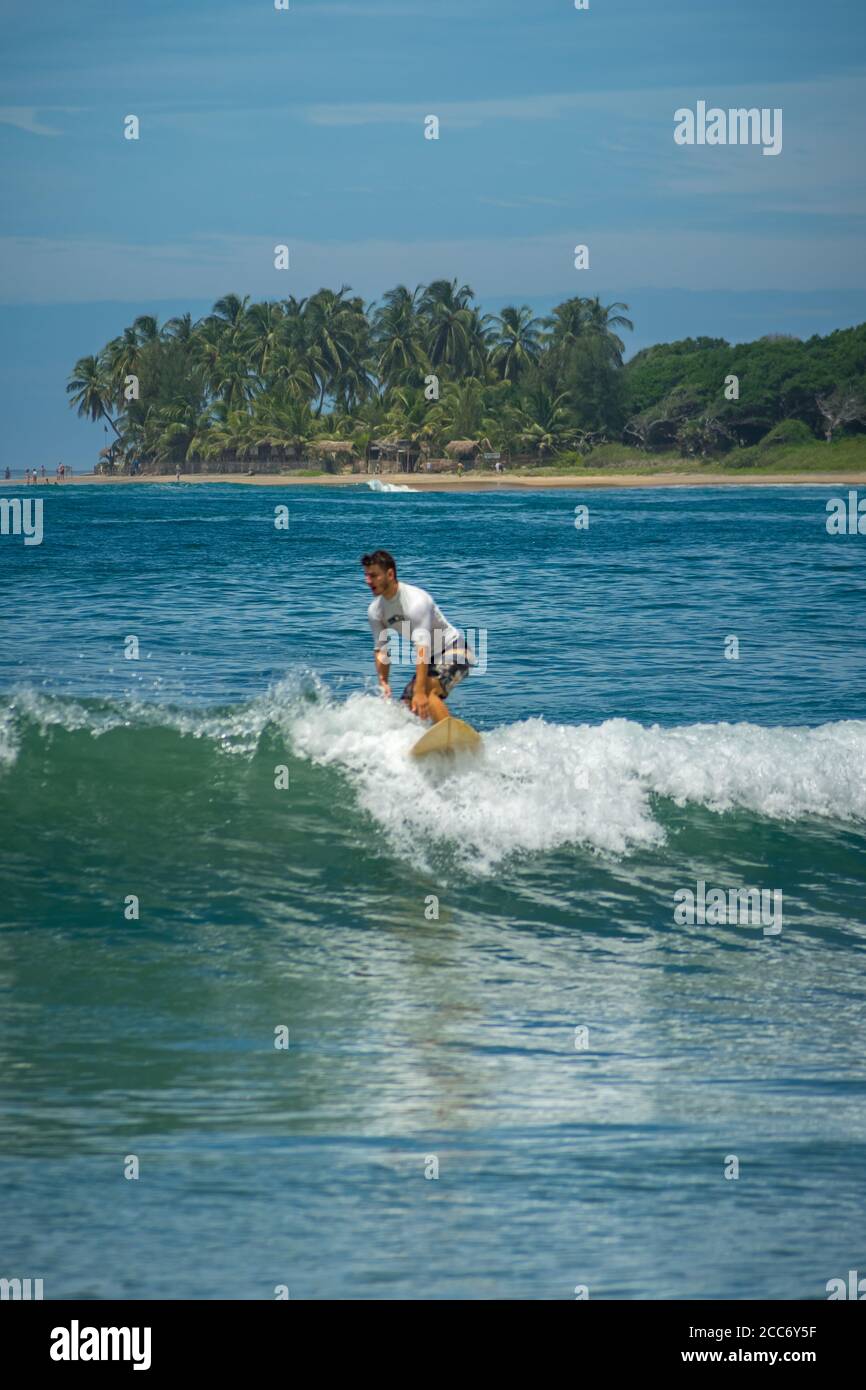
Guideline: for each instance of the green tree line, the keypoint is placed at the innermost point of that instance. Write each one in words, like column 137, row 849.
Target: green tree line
column 265, row 381
column 704, row 396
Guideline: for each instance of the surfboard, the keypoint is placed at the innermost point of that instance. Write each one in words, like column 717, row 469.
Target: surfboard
column 448, row 736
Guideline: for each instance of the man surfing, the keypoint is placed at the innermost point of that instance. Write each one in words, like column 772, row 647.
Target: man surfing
column 442, row 658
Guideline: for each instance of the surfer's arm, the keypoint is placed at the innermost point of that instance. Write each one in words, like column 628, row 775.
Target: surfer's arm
column 380, row 653
column 422, row 665
column 383, row 669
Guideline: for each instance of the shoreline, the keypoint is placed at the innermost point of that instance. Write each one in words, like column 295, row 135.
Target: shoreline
column 422, row 483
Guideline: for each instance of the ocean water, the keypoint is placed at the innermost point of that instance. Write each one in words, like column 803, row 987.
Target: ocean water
column 478, row 963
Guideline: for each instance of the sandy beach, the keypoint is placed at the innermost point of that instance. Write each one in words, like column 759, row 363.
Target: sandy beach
column 419, row 482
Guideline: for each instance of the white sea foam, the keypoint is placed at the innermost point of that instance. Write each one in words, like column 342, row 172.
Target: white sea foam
column 378, row 486
column 539, row 786
column 534, row 787
column 8, row 738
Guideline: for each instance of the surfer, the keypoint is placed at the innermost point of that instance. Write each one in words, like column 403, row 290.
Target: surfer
column 442, row 658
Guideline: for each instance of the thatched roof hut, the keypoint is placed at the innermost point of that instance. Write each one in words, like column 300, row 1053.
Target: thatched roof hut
column 466, row 448
column 338, row 448
column 110, row 456
column 402, row 453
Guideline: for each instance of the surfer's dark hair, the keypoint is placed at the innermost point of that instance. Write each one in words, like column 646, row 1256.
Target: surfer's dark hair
column 383, row 558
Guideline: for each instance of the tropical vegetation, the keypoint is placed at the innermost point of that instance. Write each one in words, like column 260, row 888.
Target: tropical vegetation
column 285, row 383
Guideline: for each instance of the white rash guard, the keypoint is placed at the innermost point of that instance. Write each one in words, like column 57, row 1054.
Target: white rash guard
column 414, row 616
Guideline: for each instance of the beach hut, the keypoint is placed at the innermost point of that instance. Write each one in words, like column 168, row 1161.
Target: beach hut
column 336, row 452
column 467, row 450
column 393, row 456
column 109, row 457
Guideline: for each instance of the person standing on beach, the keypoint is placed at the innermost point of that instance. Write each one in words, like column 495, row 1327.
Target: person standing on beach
column 177, row 474
column 442, row 656
column 42, row 471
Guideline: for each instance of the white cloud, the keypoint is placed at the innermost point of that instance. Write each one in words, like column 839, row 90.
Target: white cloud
column 822, row 98
column 26, row 118
column 524, row 200
column 39, row 270
column 400, row 9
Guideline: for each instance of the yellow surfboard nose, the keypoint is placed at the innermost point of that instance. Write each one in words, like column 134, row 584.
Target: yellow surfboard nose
column 448, row 736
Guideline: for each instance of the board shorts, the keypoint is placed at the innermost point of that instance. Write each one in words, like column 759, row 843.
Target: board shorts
column 451, row 670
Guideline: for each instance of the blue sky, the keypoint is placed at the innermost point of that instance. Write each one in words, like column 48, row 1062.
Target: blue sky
column 306, row 127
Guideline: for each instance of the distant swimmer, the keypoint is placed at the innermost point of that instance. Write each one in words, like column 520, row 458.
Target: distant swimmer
column 442, row 658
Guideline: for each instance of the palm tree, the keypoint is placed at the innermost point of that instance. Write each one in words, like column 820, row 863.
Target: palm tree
column 578, row 319
column 178, row 330
column 291, row 374
column 480, row 336
column 566, row 324
column 231, row 380
column 398, row 339
column 294, row 326
column 91, row 390
column 449, row 327
column 262, row 335
column 290, row 367
column 459, row 414
column 543, row 419
column 445, row 292
column 334, row 336
column 171, row 429
column 230, row 310
column 220, row 359
column 603, row 320
column 518, row 345
column 122, row 359
column 146, row 329
column 229, row 437
column 283, row 423
column 185, row 433
column 374, row 417
column 408, row 415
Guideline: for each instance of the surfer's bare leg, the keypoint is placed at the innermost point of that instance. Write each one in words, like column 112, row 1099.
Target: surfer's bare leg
column 432, row 706
column 436, row 700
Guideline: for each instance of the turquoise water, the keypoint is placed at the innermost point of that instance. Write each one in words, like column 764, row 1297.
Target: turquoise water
column 625, row 759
